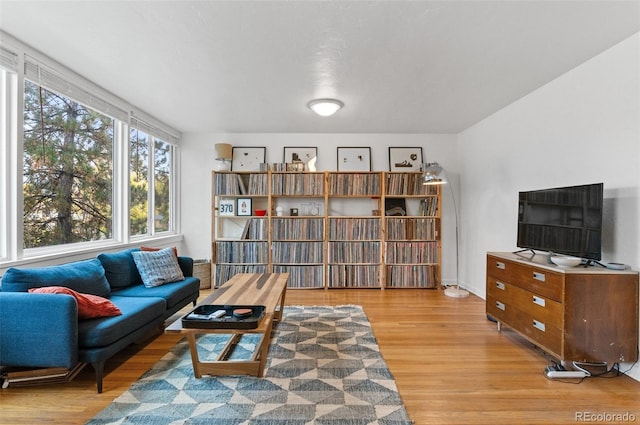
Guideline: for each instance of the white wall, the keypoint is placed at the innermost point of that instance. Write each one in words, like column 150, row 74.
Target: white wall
column 198, row 161
column 583, row 127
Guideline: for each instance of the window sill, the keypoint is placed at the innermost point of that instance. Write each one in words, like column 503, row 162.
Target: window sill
column 48, row 257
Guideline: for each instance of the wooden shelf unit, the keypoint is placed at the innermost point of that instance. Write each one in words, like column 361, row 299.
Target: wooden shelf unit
column 340, row 238
column 581, row 314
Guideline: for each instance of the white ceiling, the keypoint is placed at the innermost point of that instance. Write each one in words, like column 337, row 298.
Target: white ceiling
column 251, row 66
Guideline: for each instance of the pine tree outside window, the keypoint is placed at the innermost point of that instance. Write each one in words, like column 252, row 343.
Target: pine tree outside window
column 67, row 170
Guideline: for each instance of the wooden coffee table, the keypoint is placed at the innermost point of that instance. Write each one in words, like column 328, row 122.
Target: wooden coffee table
column 267, row 289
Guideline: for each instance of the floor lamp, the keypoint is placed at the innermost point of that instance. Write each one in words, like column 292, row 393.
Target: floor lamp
column 434, row 174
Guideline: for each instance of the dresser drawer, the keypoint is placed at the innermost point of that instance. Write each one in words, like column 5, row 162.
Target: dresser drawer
column 535, row 329
column 543, row 334
column 540, row 308
column 538, row 332
column 538, row 280
column 499, row 310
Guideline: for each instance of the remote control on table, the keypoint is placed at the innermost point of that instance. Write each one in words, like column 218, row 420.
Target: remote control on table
column 218, row 314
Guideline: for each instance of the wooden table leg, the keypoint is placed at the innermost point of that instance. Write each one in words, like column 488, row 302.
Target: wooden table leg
column 278, row 313
column 264, row 345
column 195, row 360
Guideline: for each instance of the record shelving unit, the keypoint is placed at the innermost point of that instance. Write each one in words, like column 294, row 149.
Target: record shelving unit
column 328, row 229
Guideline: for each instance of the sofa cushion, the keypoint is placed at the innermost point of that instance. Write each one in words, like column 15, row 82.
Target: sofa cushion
column 136, row 313
column 173, row 293
column 86, row 276
column 157, row 267
column 89, row 306
column 37, row 330
column 120, row 269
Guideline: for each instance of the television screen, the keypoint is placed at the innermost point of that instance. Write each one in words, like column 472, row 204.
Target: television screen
column 563, row 220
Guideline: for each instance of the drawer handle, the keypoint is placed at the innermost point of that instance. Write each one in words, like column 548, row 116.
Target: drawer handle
column 539, row 276
column 500, row 285
column 500, row 265
column 500, row 305
column 538, row 325
column 539, row 301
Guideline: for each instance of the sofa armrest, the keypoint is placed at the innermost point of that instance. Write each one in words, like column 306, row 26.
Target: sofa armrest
column 186, row 264
column 38, row 330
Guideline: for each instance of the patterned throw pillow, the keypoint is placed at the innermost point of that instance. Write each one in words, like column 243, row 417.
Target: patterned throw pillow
column 89, row 306
column 157, row 267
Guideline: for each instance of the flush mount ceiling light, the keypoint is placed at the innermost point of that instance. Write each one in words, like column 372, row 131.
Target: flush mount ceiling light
column 325, row 107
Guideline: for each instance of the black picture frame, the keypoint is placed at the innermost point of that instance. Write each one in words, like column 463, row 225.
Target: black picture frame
column 307, row 155
column 405, row 159
column 353, row 158
column 244, row 207
column 247, row 158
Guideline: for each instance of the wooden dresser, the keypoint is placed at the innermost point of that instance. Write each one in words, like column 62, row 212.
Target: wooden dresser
column 583, row 314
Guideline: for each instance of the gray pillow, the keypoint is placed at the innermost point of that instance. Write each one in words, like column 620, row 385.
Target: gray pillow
column 157, row 267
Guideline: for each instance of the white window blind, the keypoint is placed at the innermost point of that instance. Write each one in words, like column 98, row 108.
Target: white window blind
column 147, row 125
column 46, row 77
column 8, row 59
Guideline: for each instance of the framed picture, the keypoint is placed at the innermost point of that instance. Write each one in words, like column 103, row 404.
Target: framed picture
column 405, row 159
column 247, row 158
column 227, row 207
column 301, row 154
column 354, row 159
column 244, row 206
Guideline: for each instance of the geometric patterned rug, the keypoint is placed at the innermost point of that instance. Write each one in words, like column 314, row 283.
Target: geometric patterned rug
column 324, row 367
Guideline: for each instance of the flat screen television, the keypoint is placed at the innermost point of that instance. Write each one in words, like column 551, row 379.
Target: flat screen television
column 562, row 220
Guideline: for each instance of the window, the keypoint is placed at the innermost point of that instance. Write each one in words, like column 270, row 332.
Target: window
column 79, row 167
column 150, row 195
column 162, row 185
column 67, row 170
column 138, row 182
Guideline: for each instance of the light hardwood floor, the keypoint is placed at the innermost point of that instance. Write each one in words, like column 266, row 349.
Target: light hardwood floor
column 451, row 366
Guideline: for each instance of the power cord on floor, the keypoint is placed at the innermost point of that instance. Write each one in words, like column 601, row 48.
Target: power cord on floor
column 578, row 366
column 612, row 372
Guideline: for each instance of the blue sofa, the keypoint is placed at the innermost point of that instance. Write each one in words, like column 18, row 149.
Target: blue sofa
column 43, row 330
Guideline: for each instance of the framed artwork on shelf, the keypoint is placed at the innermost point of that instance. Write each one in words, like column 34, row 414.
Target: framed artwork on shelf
column 354, row 159
column 297, row 155
column 227, row 207
column 244, row 206
column 247, row 158
column 405, row 159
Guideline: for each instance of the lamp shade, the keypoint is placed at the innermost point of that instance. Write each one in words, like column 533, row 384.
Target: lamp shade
column 433, row 174
column 223, row 151
column 325, row 107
